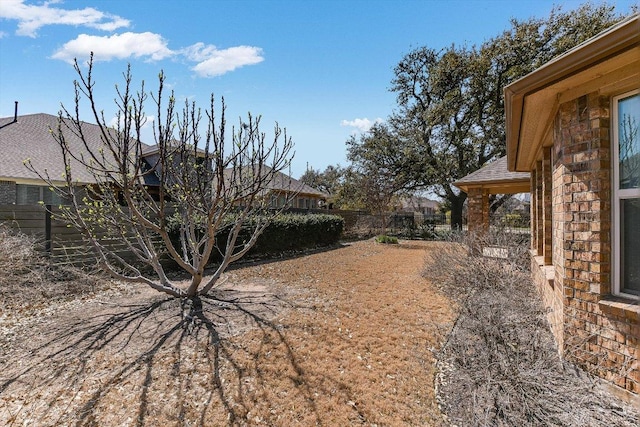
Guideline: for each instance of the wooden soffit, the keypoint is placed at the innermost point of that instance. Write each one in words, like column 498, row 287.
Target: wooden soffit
column 608, row 64
column 496, row 187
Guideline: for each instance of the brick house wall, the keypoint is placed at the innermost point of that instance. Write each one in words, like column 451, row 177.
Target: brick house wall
column 573, row 216
column 7, row 192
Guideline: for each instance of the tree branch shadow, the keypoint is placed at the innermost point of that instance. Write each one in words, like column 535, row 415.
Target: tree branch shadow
column 170, row 362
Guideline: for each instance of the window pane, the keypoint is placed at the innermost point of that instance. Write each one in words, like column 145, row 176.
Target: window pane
column 27, row 194
column 629, row 141
column 50, row 197
column 630, row 261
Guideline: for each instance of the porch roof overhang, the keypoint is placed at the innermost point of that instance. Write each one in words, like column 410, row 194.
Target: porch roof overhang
column 496, row 179
column 609, row 64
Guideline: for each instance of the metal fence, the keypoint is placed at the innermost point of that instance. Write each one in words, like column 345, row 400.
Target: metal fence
column 64, row 244
column 513, row 222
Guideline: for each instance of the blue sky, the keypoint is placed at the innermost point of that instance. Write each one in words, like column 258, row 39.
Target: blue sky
column 319, row 68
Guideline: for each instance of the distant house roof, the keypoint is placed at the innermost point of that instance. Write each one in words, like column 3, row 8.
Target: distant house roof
column 285, row 183
column 30, row 138
column 496, row 178
column 418, row 203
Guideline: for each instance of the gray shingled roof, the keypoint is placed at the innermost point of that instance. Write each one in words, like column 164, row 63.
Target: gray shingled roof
column 29, row 138
column 494, row 173
column 283, row 182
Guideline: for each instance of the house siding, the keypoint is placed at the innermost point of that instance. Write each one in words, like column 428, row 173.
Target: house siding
column 590, row 330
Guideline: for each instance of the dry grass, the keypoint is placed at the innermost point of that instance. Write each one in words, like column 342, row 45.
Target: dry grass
column 335, row 338
column 28, row 281
column 500, row 366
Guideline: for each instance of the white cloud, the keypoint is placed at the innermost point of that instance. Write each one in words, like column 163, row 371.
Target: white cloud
column 33, row 17
column 215, row 62
column 210, row 61
column 360, row 125
column 150, row 46
column 199, row 52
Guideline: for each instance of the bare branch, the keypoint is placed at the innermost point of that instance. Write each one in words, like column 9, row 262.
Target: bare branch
column 167, row 200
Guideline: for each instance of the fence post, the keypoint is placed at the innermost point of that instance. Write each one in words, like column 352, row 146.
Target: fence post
column 47, row 229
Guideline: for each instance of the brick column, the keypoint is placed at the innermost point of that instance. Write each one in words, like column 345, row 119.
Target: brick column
column 478, row 210
column 533, row 211
column 546, row 206
column 539, row 217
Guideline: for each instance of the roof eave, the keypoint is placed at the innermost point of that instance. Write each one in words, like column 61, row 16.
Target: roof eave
column 615, row 40
column 507, row 186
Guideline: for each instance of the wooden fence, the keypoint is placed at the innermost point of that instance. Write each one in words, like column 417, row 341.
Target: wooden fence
column 63, row 244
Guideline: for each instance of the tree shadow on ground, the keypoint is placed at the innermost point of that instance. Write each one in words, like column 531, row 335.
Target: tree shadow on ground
column 266, row 259
column 214, row 360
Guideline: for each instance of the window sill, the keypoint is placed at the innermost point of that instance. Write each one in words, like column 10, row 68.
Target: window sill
column 621, row 307
column 546, row 271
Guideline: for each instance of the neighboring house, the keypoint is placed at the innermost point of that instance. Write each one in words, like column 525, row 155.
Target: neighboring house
column 283, row 191
column 418, row 204
column 304, row 196
column 28, row 137
column 573, row 124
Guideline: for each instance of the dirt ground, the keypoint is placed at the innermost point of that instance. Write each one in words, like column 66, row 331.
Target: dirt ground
column 335, row 338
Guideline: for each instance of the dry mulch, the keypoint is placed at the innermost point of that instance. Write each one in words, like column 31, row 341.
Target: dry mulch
column 341, row 337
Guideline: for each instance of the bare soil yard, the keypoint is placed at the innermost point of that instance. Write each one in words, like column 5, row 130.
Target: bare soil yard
column 341, row 337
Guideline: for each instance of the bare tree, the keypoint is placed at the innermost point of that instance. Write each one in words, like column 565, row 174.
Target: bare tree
column 200, row 182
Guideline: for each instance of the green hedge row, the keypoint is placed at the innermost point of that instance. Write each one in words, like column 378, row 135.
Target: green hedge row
column 287, row 232
column 291, row 232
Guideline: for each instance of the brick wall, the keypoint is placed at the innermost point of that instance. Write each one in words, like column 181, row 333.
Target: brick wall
column 478, row 210
column 598, row 334
column 7, row 192
column 551, row 295
column 547, row 209
column 533, row 211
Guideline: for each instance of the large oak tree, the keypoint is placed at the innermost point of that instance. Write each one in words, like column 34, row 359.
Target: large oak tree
column 449, row 119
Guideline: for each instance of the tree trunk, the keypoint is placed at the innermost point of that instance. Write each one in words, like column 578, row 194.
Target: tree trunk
column 457, row 202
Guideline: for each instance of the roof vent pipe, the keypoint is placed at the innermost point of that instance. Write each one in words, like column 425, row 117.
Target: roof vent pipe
column 15, row 114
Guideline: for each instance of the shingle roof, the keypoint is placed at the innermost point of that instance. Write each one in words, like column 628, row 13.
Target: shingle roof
column 493, row 174
column 29, row 138
column 283, row 182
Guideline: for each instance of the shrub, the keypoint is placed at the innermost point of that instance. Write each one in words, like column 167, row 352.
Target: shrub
column 287, row 232
column 29, row 280
column 292, row 232
column 383, row 238
column 500, row 364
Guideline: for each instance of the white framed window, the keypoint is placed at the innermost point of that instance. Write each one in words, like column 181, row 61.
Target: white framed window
column 626, row 194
